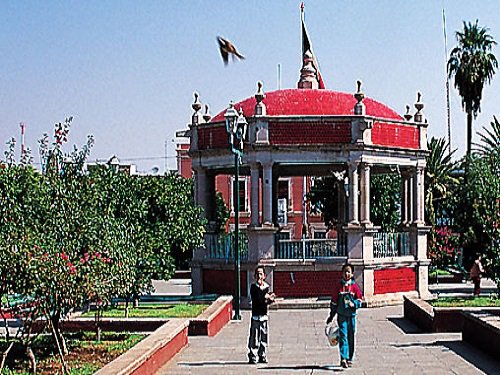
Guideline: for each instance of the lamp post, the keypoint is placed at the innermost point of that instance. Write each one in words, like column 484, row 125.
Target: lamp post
column 236, row 128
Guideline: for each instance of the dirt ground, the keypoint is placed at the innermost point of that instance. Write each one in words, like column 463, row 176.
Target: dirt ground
column 85, row 355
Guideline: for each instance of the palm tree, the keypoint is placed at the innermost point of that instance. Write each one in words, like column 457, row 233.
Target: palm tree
column 472, row 64
column 439, row 178
column 490, row 140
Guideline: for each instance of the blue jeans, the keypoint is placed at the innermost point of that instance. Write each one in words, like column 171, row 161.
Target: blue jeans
column 347, row 328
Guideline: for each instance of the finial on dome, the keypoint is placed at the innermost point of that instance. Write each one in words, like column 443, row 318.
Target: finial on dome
column 196, row 105
column 359, row 107
column 195, row 120
column 207, row 116
column 408, row 115
column 308, row 78
column 260, row 107
column 419, row 106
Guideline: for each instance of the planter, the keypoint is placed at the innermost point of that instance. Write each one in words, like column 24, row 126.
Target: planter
column 440, row 319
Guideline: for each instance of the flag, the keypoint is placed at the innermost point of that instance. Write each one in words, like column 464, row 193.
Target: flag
column 306, row 46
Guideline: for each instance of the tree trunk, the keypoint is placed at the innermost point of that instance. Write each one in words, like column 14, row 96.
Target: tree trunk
column 55, row 320
column 469, row 133
column 469, row 146
column 98, row 324
column 126, row 308
column 60, row 343
column 4, row 356
column 31, row 358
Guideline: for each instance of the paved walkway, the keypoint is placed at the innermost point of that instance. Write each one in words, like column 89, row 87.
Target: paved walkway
column 386, row 344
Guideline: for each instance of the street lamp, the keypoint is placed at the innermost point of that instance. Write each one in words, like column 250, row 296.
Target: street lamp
column 236, row 128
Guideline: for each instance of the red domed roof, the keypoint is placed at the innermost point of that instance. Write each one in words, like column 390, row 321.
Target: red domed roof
column 307, row 102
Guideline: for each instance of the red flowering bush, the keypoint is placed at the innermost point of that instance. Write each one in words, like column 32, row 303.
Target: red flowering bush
column 69, row 237
column 443, row 246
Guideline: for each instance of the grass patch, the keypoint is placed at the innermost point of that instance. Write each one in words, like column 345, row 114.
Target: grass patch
column 86, row 355
column 179, row 310
column 439, row 272
column 466, row 302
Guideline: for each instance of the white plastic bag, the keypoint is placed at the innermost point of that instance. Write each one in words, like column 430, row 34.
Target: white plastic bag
column 332, row 334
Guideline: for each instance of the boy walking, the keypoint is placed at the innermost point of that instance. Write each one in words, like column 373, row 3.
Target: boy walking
column 261, row 298
column 346, row 299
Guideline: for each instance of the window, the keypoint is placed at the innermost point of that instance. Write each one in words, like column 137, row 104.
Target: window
column 319, row 235
column 243, row 202
column 243, row 195
column 284, row 191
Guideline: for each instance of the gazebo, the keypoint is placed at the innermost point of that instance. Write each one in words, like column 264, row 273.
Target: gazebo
column 314, row 132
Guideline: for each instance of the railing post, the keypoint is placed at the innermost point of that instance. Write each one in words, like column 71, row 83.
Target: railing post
column 303, row 249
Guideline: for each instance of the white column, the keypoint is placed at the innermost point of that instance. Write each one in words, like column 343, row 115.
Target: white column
column 353, row 193
column 254, row 194
column 341, row 202
column 365, row 193
column 418, row 196
column 267, row 193
column 409, row 193
column 421, row 194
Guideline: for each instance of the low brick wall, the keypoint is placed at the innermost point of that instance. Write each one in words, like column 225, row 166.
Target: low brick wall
column 482, row 330
column 448, row 319
column 419, row 312
column 152, row 352
column 303, row 283
column 163, row 344
column 213, row 319
column 439, row 319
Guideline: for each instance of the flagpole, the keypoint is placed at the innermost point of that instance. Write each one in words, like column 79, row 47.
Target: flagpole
column 306, row 45
column 447, row 84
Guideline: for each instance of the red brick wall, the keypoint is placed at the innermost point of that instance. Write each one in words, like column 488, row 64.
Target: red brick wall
column 395, row 280
column 184, row 163
column 396, row 135
column 218, row 322
column 286, row 133
column 222, row 282
column 305, row 283
column 212, row 136
column 163, row 354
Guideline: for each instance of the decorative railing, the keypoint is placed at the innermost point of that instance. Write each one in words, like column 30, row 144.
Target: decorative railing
column 221, row 246
column 310, row 248
column 391, row 244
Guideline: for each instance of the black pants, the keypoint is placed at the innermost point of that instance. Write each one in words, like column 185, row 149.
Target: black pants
column 477, row 285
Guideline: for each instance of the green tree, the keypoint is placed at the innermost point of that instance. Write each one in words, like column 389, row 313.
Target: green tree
column 489, row 141
column 222, row 213
column 473, row 65
column 19, row 203
column 385, row 198
column 323, row 197
column 439, row 177
column 82, row 248
column 484, row 234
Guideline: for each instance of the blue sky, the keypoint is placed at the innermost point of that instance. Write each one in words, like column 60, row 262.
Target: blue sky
column 126, row 70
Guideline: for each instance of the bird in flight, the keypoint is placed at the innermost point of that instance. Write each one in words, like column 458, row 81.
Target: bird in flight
column 227, row 48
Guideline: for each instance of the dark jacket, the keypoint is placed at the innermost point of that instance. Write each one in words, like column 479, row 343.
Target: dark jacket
column 259, row 301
